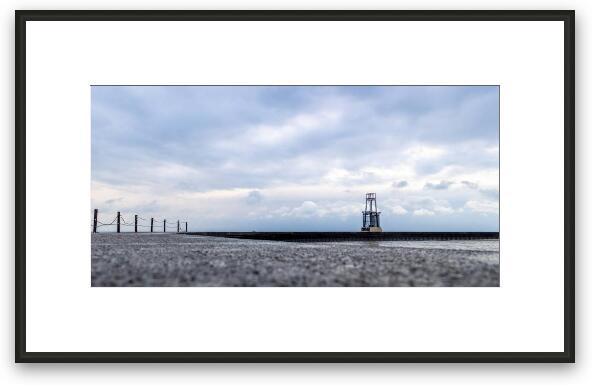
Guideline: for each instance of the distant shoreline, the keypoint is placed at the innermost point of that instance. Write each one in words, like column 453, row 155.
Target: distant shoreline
column 351, row 236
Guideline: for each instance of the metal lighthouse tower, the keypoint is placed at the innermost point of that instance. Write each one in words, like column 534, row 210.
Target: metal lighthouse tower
column 371, row 215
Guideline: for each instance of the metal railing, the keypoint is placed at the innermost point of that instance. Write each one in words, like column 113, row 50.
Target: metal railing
column 140, row 224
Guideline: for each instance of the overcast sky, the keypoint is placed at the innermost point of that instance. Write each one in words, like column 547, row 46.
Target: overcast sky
column 298, row 157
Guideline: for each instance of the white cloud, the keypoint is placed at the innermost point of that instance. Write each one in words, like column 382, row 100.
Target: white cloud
column 398, row 210
column 423, row 212
column 306, row 209
column 293, row 128
column 280, row 212
column 443, row 209
column 424, row 152
column 488, row 207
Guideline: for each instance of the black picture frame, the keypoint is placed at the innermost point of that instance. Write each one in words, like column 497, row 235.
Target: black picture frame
column 567, row 355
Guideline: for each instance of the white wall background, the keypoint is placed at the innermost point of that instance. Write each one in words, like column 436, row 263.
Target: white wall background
column 581, row 372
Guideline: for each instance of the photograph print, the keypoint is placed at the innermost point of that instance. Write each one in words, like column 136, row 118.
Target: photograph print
column 306, row 186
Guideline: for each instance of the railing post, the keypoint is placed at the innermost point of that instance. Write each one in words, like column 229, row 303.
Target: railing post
column 178, row 225
column 135, row 223
column 164, row 227
column 118, row 222
column 95, row 220
column 151, row 225
column 185, row 226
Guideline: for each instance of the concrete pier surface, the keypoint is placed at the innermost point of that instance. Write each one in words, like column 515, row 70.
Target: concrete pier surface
column 144, row 259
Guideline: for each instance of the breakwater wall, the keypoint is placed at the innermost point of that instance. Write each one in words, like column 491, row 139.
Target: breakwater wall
column 352, row 236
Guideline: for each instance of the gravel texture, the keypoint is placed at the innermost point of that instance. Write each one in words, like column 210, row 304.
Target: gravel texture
column 183, row 260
